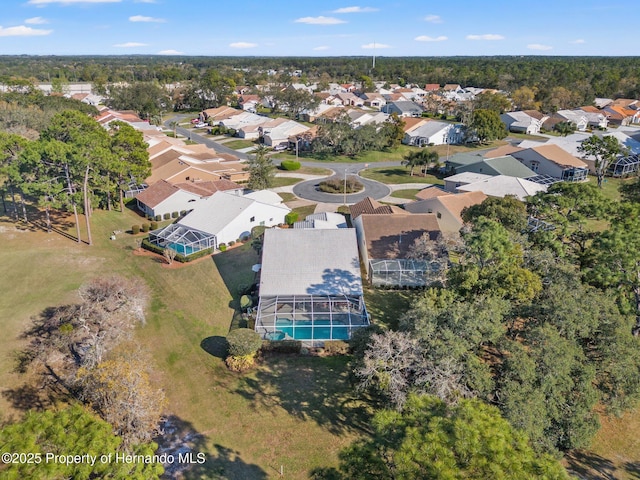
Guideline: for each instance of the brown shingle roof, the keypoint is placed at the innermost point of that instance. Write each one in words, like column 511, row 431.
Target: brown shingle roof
column 557, row 155
column 502, row 151
column 459, row 201
column 392, row 236
column 430, row 192
column 156, row 193
column 371, row 206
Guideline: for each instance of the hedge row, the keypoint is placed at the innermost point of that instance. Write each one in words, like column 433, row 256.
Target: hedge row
column 147, row 245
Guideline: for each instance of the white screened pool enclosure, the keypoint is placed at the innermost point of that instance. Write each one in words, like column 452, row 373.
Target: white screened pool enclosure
column 184, row 240
column 310, row 318
column 310, row 286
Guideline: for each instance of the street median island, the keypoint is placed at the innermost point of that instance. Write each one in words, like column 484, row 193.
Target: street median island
column 338, row 186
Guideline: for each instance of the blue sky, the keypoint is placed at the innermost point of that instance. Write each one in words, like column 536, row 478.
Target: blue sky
column 325, row 28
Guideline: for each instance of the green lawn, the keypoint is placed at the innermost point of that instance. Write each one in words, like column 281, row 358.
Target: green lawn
column 408, row 194
column 284, row 181
column 250, row 425
column 287, row 197
column 238, row 144
column 314, row 171
column 398, row 175
column 304, row 211
column 611, row 186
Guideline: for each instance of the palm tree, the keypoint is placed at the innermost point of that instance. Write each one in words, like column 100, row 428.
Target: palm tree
column 412, row 160
column 174, row 124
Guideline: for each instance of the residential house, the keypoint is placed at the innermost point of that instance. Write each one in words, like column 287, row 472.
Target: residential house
column 505, row 165
column 447, row 208
column 219, row 113
column 322, row 220
column 218, row 219
column 249, row 103
column 621, row 116
column 502, row 186
column 371, row 206
column 452, row 182
column 432, row 87
column 551, row 160
column 348, row 99
column 430, row 192
column 310, row 286
column 434, row 133
column 522, row 122
column 385, row 243
column 373, row 100
column 164, row 198
column 403, row 109
column 280, row 133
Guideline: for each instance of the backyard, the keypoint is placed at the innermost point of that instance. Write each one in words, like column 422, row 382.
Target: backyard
column 250, row 426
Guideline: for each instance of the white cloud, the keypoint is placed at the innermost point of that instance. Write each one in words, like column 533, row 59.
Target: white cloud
column 578, row 41
column 486, row 36
column 355, row 10
column 321, row 47
column 376, row 45
column 36, row 21
column 243, row 45
column 433, row 19
column 537, row 46
column 320, row 20
column 22, row 31
column 130, row 44
column 141, row 18
column 427, row 38
column 69, row 2
column 170, row 52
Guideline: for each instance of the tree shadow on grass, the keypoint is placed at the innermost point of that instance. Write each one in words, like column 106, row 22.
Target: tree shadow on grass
column 633, row 469
column 590, row 466
column 215, row 345
column 309, row 388
column 192, row 458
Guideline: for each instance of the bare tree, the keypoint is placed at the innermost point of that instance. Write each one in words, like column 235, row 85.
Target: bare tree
column 120, row 390
column 169, row 254
column 396, row 364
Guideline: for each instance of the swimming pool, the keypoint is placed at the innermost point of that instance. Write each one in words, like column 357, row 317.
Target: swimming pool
column 318, row 329
column 182, row 249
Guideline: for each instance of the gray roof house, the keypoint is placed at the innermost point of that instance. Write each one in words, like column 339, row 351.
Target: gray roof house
column 434, row 133
column 310, row 286
column 403, row 109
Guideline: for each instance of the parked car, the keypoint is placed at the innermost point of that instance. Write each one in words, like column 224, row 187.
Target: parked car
column 195, row 120
column 201, row 125
column 280, row 147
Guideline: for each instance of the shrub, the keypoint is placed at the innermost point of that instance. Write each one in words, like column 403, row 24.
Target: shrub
column 145, row 227
column 154, row 225
column 231, row 132
column 167, row 216
column 242, row 363
column 222, row 247
column 336, row 347
column 246, row 238
column 175, row 214
column 147, row 245
column 245, row 302
column 336, row 185
column 231, row 243
column 158, row 218
column 291, row 218
column 289, row 165
column 243, row 341
column 183, row 213
column 135, row 229
column 282, row 346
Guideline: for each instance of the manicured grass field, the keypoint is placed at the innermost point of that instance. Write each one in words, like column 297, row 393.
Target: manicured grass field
column 397, row 175
column 294, row 412
column 284, row 181
column 238, row 144
column 408, row 194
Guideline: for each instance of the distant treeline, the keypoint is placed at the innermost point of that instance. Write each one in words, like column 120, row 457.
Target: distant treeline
column 591, row 76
